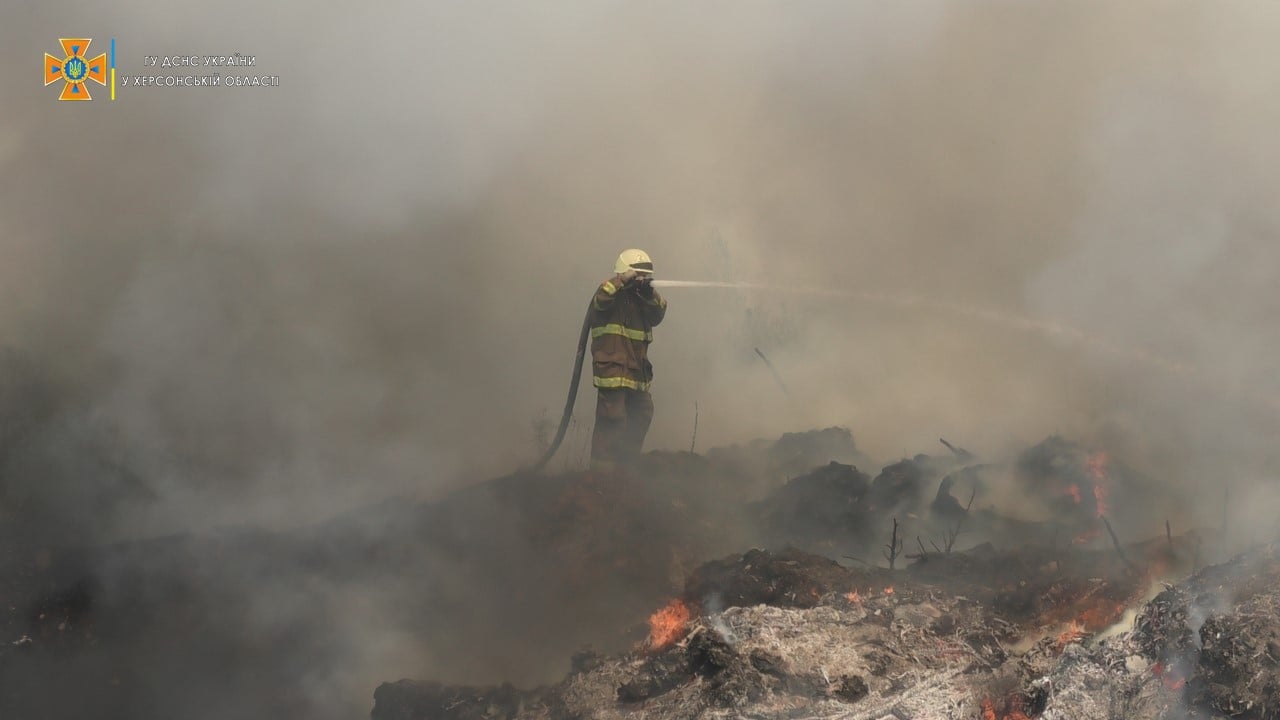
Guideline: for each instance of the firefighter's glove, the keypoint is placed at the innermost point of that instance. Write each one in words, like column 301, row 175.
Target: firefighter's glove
column 628, row 278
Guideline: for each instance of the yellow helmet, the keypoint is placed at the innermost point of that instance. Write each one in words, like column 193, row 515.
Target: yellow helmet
column 633, row 259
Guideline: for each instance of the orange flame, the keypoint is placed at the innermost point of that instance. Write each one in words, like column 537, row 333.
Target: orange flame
column 668, row 624
column 1074, row 491
column 1096, row 464
column 989, row 710
column 1100, row 498
column 853, row 597
column 1102, row 615
column 888, row 590
column 1170, row 679
column 1074, row 631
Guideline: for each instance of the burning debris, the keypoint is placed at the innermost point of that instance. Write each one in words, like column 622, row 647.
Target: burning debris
column 983, row 614
column 1020, row 620
column 668, row 625
column 917, row 650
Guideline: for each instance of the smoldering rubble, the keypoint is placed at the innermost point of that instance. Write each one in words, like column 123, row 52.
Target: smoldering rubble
column 929, row 589
column 840, row 643
column 1031, row 619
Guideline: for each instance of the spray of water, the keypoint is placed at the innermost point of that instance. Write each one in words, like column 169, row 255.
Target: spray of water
column 1046, row 328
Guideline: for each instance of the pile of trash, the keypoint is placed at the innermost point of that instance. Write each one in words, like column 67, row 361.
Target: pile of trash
column 769, row 635
column 915, row 591
column 792, row 635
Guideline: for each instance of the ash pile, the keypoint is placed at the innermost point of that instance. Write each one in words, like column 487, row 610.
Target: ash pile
column 978, row 615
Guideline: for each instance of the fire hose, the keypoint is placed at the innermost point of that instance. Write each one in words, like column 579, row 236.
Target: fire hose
column 573, row 395
column 567, row 415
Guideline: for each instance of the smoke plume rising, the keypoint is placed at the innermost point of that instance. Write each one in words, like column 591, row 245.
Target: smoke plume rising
column 265, row 306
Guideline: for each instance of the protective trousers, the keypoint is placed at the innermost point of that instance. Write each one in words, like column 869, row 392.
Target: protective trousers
column 622, row 420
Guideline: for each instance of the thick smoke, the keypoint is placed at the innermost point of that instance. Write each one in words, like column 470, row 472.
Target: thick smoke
column 266, row 305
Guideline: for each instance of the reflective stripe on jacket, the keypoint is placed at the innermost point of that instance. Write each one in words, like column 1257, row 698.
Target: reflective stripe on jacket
column 622, row 324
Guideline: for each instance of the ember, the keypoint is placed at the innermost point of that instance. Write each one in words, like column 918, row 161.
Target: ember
column 853, row 596
column 668, row 624
column 1097, row 467
column 1075, row 631
column 888, row 590
column 1171, row 679
column 1012, row 710
column 1100, row 616
column 1100, row 498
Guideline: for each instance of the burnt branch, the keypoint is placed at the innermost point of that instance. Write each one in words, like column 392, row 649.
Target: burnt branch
column 1115, row 541
column 960, row 453
column 776, row 377
column 894, row 547
column 694, row 440
column 954, row 532
column 922, row 555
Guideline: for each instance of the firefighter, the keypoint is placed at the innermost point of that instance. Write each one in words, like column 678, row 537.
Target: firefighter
column 623, row 314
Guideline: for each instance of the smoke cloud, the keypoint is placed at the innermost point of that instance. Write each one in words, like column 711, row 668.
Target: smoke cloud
column 267, row 305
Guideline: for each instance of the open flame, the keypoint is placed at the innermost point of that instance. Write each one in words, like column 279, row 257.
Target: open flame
column 1095, row 467
column 668, row 625
column 1100, row 498
column 1075, row 631
column 1013, row 707
column 1096, row 464
column 1102, row 615
column 1171, row 679
column 853, row 597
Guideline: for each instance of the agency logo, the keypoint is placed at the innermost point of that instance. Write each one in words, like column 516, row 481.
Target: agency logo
column 74, row 68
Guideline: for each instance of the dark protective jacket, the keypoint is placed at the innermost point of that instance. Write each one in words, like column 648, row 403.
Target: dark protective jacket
column 622, row 322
